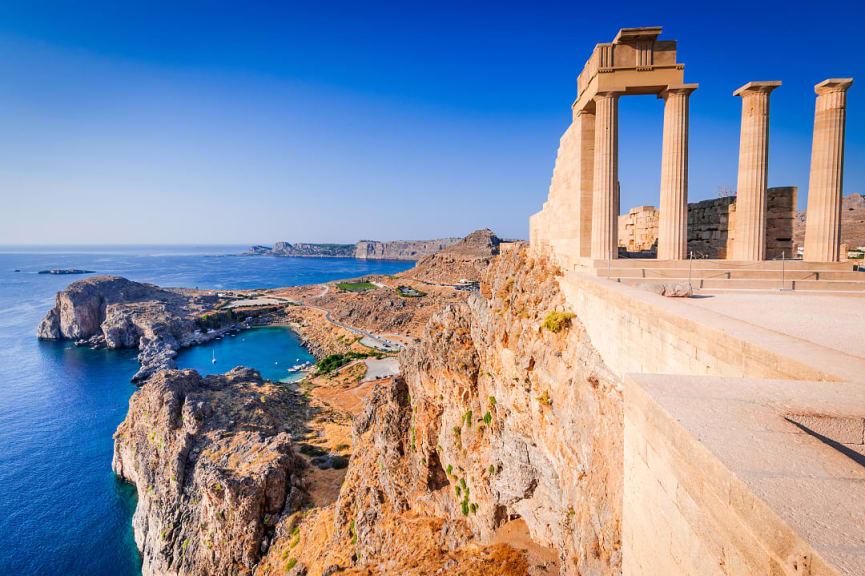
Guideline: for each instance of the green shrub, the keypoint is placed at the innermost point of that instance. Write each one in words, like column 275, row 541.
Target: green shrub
column 492, row 469
column 290, row 564
column 469, row 418
column 449, row 470
column 492, row 400
column 557, row 321
column 488, row 418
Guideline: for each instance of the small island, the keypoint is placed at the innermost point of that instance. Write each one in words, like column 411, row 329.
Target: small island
column 64, row 271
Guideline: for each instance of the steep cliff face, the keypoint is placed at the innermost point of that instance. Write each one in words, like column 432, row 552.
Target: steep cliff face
column 505, row 412
column 213, row 463
column 114, row 312
column 401, row 250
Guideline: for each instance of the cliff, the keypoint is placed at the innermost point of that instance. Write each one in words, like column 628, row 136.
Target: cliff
column 365, row 249
column 467, row 259
column 114, row 312
column 214, row 467
column 401, row 250
column 498, row 451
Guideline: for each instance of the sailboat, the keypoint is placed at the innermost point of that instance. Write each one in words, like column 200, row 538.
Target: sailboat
column 213, row 360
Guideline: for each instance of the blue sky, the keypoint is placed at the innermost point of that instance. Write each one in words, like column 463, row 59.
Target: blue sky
column 248, row 122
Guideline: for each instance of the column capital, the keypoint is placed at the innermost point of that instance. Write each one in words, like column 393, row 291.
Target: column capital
column 833, row 85
column 606, row 95
column 764, row 87
column 685, row 89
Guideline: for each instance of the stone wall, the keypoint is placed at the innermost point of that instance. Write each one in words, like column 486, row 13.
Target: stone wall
column 638, row 229
column 711, row 226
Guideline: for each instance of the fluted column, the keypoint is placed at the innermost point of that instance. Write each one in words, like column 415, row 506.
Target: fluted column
column 673, row 213
column 750, row 239
column 606, row 176
column 823, row 227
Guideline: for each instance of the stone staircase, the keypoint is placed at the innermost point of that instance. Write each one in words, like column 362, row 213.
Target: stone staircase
column 720, row 275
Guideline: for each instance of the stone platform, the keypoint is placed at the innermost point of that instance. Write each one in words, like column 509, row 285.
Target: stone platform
column 715, row 275
column 740, row 476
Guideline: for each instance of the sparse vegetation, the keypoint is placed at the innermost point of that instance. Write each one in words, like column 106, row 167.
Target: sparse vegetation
column 290, row 564
column 557, row 321
column 488, row 418
column 409, row 292
column 492, row 400
column 468, row 418
column 545, row 399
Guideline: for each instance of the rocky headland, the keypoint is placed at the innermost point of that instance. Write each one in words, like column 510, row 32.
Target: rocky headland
column 113, row 312
column 215, row 469
column 364, row 249
column 467, row 259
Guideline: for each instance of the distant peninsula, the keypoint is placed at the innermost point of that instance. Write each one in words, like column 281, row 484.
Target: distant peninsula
column 368, row 249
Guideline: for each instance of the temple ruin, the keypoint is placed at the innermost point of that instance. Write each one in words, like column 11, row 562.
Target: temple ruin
column 580, row 218
column 744, row 412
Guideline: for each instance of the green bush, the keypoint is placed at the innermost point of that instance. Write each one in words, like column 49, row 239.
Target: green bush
column 557, row 321
column 488, row 418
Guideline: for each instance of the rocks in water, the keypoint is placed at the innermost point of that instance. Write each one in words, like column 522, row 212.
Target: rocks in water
column 64, row 271
column 214, row 467
column 113, row 312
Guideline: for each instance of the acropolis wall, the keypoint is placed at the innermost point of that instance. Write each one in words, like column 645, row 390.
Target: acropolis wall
column 711, row 226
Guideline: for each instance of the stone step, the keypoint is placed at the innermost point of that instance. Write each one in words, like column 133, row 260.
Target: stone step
column 719, row 273
column 722, row 264
column 756, row 284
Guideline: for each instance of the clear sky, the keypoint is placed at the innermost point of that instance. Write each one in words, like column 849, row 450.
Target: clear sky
column 249, row 122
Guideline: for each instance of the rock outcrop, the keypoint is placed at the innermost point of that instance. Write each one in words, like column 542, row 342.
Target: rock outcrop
column 501, row 416
column 214, row 467
column 465, row 260
column 114, row 312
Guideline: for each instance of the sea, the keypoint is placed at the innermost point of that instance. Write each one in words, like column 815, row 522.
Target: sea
column 62, row 510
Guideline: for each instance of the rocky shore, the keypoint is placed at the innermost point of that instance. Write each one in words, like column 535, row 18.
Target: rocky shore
column 214, row 466
column 113, row 312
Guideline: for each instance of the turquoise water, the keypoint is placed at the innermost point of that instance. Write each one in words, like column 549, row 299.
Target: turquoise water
column 62, row 510
column 271, row 351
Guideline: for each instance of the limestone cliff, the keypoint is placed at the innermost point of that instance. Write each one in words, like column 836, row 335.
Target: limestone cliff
column 505, row 414
column 114, row 312
column 401, row 250
column 214, row 466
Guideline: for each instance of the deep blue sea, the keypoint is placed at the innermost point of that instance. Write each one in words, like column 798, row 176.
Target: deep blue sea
column 62, row 511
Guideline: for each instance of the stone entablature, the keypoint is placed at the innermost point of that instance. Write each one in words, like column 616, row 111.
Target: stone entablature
column 635, row 62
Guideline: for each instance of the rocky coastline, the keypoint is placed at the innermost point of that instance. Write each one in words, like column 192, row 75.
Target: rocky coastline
column 215, row 469
column 113, row 312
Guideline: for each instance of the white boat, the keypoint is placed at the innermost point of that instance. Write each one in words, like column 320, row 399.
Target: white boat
column 213, row 352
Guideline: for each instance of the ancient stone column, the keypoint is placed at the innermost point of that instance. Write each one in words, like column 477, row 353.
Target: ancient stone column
column 673, row 213
column 606, row 176
column 823, row 227
column 750, row 243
